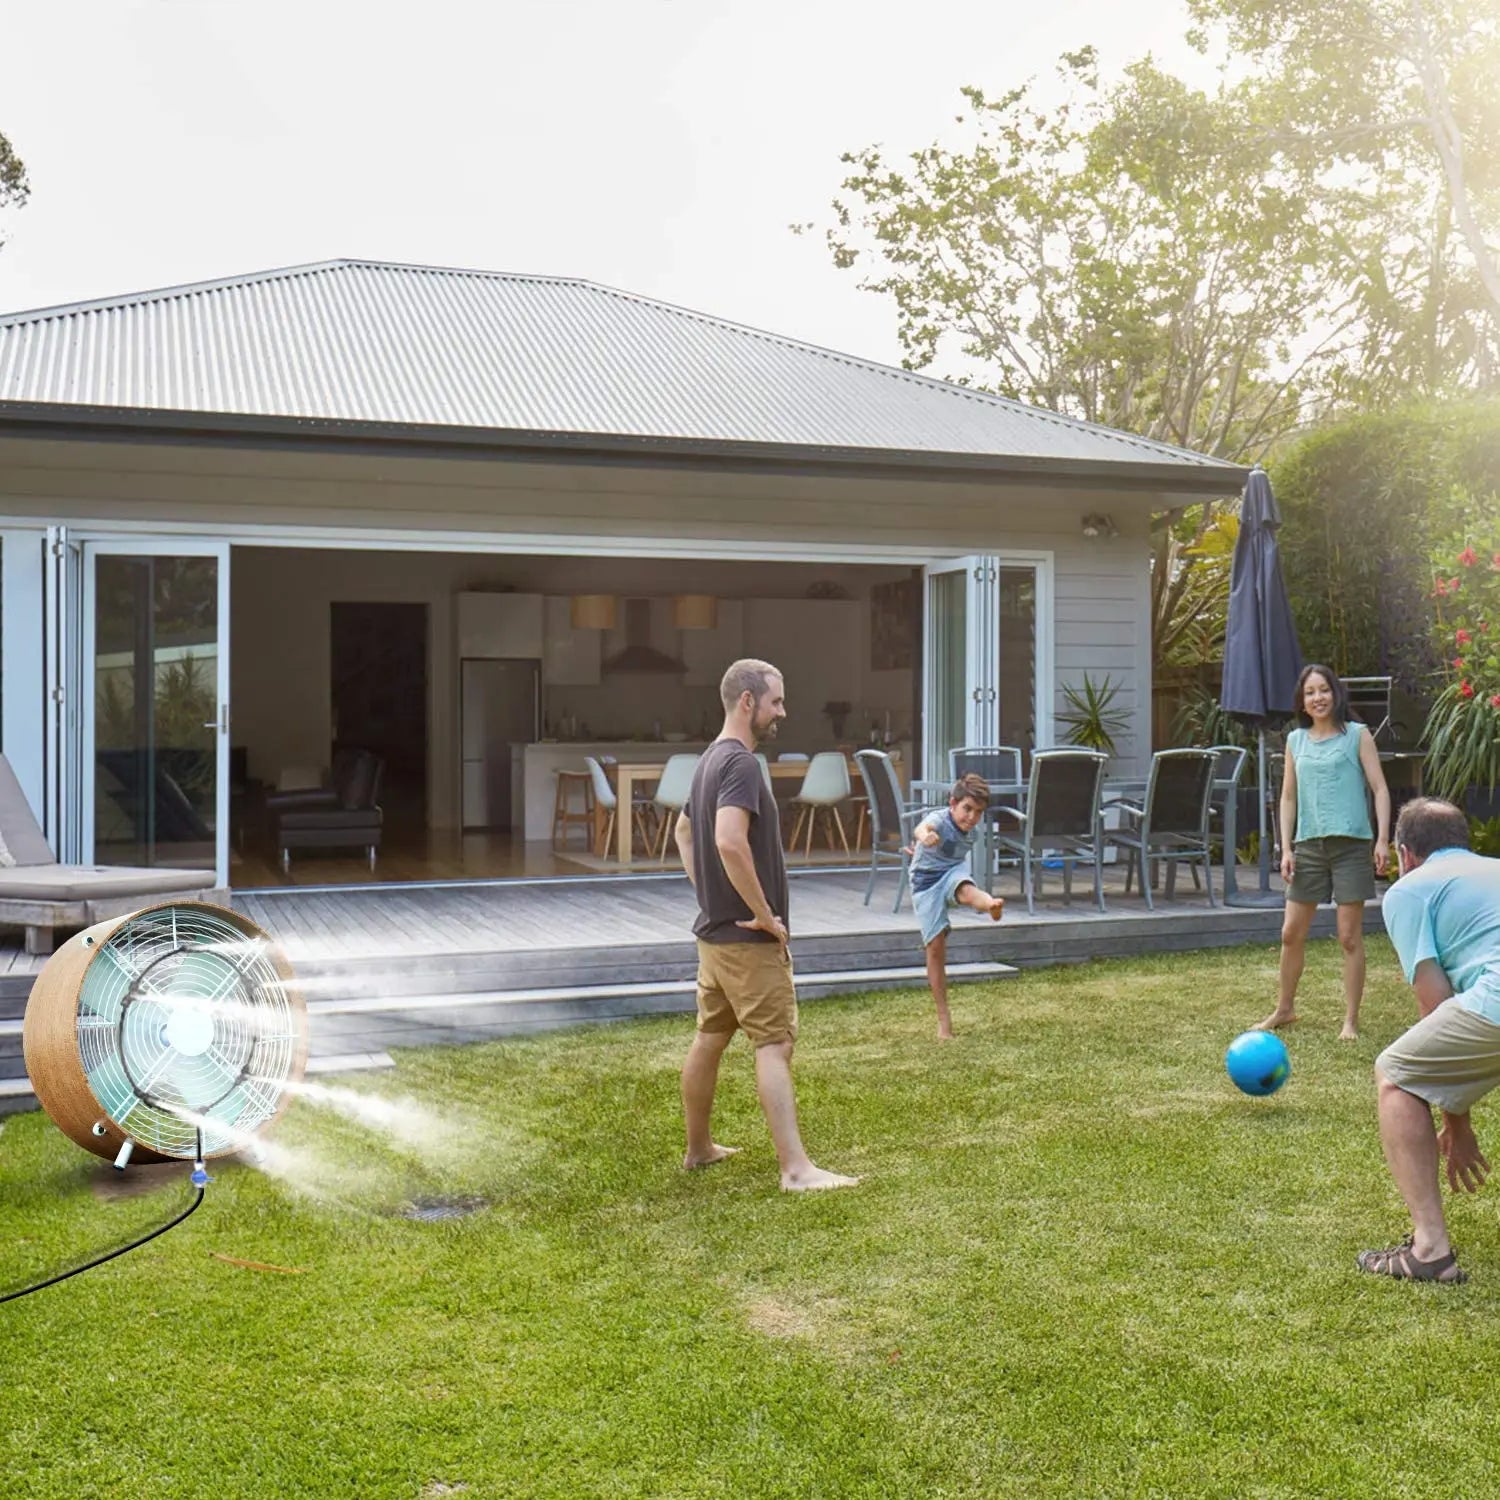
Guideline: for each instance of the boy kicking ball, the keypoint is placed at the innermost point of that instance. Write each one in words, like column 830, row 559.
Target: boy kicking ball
column 940, row 877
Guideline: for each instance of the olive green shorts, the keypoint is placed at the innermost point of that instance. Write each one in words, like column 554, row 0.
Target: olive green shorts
column 1332, row 869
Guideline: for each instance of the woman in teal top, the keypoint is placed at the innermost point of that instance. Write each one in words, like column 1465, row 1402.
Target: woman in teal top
column 1327, row 852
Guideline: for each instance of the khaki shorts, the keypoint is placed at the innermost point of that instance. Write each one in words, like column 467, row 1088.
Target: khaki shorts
column 747, row 987
column 1340, row 870
column 1450, row 1058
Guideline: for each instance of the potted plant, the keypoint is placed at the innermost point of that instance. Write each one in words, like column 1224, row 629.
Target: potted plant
column 1091, row 721
column 1462, row 733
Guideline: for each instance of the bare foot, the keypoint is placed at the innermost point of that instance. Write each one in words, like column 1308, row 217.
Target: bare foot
column 945, row 1033
column 997, row 908
column 1276, row 1020
column 709, row 1157
column 814, row 1179
column 1348, row 1034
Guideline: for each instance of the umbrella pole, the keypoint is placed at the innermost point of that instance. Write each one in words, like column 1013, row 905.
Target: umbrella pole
column 1265, row 896
column 1265, row 852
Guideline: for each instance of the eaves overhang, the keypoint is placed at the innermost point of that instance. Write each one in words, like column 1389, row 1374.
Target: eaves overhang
column 58, row 421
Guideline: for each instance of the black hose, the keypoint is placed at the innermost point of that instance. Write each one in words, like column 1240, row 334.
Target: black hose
column 124, row 1249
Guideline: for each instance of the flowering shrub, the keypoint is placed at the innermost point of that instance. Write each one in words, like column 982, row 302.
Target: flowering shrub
column 1462, row 733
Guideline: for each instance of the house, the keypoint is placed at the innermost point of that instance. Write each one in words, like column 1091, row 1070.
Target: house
column 244, row 522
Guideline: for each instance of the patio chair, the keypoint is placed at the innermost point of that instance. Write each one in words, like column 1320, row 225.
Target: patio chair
column 825, row 785
column 40, row 895
column 997, row 764
column 892, row 816
column 1172, row 824
column 1061, row 817
column 672, row 794
column 765, row 771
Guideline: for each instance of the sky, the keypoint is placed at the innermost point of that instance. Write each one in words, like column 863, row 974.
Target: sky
column 663, row 147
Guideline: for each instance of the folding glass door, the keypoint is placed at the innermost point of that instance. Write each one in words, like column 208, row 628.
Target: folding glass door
column 987, row 663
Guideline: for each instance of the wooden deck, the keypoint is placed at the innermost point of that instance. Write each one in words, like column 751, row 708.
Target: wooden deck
column 408, row 966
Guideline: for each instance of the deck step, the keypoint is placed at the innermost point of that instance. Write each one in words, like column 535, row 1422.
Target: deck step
column 809, row 987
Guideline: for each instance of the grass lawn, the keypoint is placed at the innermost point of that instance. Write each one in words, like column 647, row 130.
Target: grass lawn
column 1081, row 1264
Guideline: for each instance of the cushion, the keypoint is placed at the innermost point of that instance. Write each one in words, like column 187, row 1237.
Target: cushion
column 87, row 882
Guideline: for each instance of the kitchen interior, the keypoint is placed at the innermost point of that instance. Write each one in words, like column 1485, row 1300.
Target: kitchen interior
column 534, row 665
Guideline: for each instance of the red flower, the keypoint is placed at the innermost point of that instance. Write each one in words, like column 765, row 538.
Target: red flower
column 1467, row 557
column 1495, row 701
column 1495, row 562
column 1462, row 638
column 1439, row 587
column 1453, row 585
column 1458, row 663
column 1466, row 689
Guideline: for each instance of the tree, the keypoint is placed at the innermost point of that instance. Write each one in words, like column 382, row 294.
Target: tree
column 1385, row 90
column 1137, row 256
column 14, row 189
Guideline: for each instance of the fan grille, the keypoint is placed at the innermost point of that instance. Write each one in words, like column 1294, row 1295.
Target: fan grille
column 185, row 1023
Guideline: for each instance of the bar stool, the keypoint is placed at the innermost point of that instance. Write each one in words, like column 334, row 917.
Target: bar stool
column 573, row 806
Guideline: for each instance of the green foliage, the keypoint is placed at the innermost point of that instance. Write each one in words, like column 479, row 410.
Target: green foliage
column 1080, row 1264
column 1201, row 721
column 1396, row 100
column 14, row 188
column 1365, row 503
column 1090, row 719
column 1484, row 836
column 1462, row 733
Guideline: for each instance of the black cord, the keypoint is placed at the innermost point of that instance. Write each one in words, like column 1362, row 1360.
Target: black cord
column 124, row 1249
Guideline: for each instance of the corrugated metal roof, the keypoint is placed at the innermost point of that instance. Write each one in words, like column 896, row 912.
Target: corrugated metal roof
column 363, row 341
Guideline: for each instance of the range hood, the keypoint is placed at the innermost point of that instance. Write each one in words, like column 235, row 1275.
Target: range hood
column 639, row 655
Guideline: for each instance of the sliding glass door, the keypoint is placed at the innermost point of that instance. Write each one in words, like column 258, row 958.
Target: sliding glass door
column 156, row 705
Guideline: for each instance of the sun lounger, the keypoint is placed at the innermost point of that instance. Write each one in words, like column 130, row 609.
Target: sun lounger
column 40, row 895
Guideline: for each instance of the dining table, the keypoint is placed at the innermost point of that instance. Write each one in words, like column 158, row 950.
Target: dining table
column 628, row 775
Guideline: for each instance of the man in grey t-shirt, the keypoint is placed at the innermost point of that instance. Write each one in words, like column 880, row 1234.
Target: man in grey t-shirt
column 729, row 836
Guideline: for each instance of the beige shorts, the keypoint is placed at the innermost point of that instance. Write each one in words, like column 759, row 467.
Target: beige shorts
column 747, row 987
column 1450, row 1058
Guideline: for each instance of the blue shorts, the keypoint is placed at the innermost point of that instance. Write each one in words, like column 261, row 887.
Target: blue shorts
column 931, row 905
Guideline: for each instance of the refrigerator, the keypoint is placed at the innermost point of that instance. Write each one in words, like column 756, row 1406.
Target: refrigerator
column 499, row 710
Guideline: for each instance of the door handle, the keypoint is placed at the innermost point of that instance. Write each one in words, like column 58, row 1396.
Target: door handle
column 222, row 722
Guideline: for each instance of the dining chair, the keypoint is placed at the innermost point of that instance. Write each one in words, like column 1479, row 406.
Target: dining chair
column 893, row 816
column 1172, row 823
column 825, row 785
column 1062, row 817
column 672, row 795
column 606, row 807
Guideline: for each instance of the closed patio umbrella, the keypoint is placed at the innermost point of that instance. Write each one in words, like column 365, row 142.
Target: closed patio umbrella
column 1261, row 657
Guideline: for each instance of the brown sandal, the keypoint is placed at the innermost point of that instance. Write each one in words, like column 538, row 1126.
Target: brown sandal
column 1401, row 1264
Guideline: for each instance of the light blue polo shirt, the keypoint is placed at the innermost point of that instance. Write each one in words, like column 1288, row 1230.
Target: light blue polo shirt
column 1448, row 910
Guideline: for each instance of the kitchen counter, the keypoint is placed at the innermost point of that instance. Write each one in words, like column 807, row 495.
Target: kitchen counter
column 543, row 760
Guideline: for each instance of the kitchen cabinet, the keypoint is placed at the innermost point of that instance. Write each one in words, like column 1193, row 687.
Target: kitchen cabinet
column 570, row 658
column 707, row 653
column 505, row 625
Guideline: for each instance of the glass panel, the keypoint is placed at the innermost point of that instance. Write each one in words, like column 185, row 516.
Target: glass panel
column 156, row 647
column 1018, row 660
column 949, row 690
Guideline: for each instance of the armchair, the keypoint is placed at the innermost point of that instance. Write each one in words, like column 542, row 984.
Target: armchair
column 343, row 814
